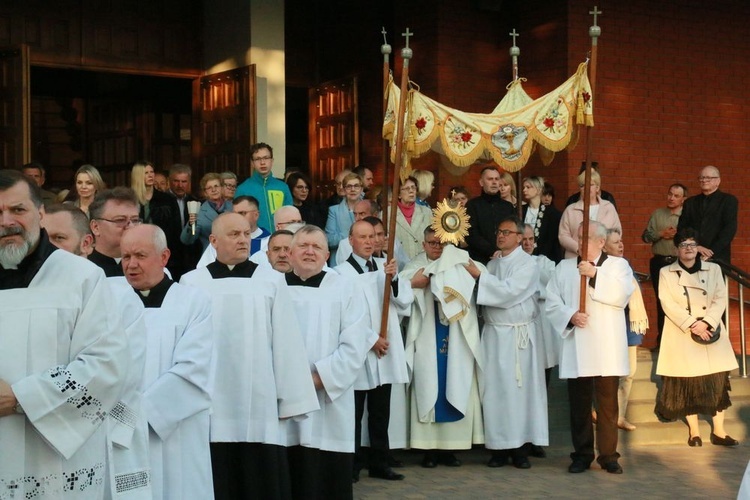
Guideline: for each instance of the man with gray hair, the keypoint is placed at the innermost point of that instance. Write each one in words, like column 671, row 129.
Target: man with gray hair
column 179, row 344
column 63, row 360
column 595, row 347
column 713, row 214
column 111, row 213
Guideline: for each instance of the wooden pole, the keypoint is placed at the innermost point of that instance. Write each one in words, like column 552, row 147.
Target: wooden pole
column 594, row 32
column 406, row 54
column 514, row 53
column 385, row 49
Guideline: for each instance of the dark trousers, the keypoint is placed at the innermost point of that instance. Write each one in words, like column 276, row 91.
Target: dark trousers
column 318, row 474
column 654, row 266
column 249, row 471
column 580, row 393
column 378, row 417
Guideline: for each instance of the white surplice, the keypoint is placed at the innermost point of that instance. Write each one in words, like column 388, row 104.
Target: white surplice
column 129, row 467
column 551, row 340
column 337, row 334
column 601, row 348
column 209, row 254
column 259, row 368
column 65, row 354
column 175, row 393
column 513, row 388
column 464, row 356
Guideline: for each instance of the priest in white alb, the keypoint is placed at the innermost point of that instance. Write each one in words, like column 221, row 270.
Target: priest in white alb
column 385, row 364
column 259, row 369
column 514, row 394
column 444, row 353
column 63, row 361
column 337, row 334
column 176, row 399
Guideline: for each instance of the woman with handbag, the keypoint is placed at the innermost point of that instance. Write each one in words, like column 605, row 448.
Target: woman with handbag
column 696, row 356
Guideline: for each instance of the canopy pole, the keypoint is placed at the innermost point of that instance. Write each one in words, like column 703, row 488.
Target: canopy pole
column 385, row 49
column 594, row 32
column 406, row 54
column 514, row 53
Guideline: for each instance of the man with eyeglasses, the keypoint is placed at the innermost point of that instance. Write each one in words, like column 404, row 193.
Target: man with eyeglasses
column 713, row 214
column 271, row 193
column 112, row 212
column 443, row 354
column 515, row 395
column 63, row 361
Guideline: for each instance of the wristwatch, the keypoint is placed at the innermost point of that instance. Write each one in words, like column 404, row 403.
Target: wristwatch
column 19, row 409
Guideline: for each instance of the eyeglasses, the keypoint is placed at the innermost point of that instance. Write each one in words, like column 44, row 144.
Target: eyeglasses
column 231, row 186
column 434, row 244
column 353, row 186
column 302, row 188
column 707, row 178
column 687, row 244
column 506, row 232
column 263, row 158
column 297, row 221
column 123, row 222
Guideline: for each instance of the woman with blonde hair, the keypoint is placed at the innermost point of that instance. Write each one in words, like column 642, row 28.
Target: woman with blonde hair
column 87, row 182
column 600, row 210
column 545, row 219
column 154, row 206
column 425, row 185
column 508, row 189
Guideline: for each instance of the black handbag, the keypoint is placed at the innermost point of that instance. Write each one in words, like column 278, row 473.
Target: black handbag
column 697, row 338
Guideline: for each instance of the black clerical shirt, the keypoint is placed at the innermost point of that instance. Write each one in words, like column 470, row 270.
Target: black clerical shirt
column 157, row 294
column 109, row 265
column 29, row 266
column 244, row 269
column 313, row 281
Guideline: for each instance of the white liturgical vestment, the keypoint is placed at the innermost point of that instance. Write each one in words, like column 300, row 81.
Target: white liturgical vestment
column 65, row 354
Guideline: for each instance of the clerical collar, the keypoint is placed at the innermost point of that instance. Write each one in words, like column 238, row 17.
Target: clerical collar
column 692, row 269
column 313, row 281
column 220, row 270
column 21, row 276
column 155, row 296
column 109, row 265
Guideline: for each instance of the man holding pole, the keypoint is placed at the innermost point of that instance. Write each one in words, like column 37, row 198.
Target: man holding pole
column 594, row 346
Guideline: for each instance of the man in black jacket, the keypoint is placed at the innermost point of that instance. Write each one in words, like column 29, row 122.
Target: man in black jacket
column 713, row 214
column 485, row 213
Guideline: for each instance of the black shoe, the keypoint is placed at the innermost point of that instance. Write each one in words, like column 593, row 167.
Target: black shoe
column 355, row 477
column 696, row 441
column 392, row 462
column 497, row 460
column 612, row 467
column 578, row 466
column 725, row 441
column 521, row 463
column 429, row 461
column 388, row 474
column 537, row 451
column 450, row 460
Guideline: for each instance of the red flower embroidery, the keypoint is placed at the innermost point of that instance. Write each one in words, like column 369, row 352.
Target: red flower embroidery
column 421, row 123
column 549, row 122
column 466, row 136
column 586, row 97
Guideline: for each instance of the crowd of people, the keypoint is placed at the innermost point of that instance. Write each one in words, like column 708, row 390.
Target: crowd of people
column 156, row 345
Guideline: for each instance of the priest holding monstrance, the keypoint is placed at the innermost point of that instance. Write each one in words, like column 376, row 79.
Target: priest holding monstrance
column 63, row 360
column 442, row 343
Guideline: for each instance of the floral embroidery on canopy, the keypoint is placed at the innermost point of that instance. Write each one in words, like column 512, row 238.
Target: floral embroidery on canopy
column 509, row 135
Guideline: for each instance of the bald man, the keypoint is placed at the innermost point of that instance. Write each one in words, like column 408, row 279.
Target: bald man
column 260, row 374
column 176, row 398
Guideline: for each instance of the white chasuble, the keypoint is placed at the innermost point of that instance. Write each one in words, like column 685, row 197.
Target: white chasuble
column 259, row 371
column 464, row 356
column 334, row 325
column 65, row 354
column 601, row 348
column 129, row 470
column 513, row 388
column 175, row 393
